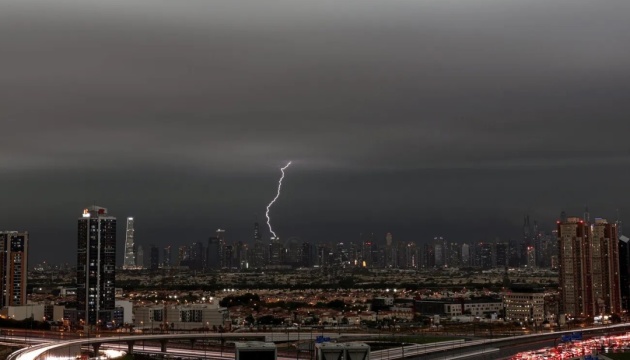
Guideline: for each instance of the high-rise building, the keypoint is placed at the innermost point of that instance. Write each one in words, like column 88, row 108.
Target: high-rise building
column 531, row 257
column 155, row 258
column 96, row 265
column 465, row 255
column 428, row 256
column 198, row 256
column 366, row 254
column 241, row 255
column 323, row 255
column 368, row 249
column 166, row 257
column 485, row 255
column 130, row 256
column 605, row 267
column 454, row 254
column 275, row 251
column 293, row 251
column 588, row 267
column 547, row 248
column 527, row 241
column 222, row 245
column 341, row 255
column 441, row 251
column 501, row 254
column 307, row 254
column 139, row 256
column 13, row 267
column 624, row 270
column 260, row 252
column 213, row 261
column 390, row 260
column 438, row 253
column 228, row 256
column 409, row 260
column 183, row 255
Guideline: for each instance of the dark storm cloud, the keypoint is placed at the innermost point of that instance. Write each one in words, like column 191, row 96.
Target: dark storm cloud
column 409, row 108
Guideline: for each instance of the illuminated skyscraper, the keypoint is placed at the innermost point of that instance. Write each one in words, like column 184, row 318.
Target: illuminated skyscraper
column 96, row 265
column 130, row 256
column 588, row 267
column 13, row 267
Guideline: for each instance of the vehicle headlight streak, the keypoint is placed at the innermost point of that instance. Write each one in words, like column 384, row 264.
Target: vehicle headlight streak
column 276, row 198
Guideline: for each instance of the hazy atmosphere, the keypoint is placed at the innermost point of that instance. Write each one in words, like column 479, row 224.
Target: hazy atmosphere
column 419, row 118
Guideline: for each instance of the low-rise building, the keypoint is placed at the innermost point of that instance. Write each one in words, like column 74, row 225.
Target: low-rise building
column 180, row 317
column 460, row 306
column 21, row 312
column 524, row 304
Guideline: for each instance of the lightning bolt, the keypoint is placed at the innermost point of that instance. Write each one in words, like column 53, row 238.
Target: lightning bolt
column 276, row 198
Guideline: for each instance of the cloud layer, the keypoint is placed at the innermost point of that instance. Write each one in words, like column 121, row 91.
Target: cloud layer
column 162, row 101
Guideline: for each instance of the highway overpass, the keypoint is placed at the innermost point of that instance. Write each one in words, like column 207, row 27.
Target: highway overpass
column 459, row 349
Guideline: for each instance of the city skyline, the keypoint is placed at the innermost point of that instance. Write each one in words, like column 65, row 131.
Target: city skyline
column 511, row 232
column 417, row 118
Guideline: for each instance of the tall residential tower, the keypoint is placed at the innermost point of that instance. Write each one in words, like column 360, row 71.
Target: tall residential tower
column 96, row 265
column 13, row 267
column 588, row 267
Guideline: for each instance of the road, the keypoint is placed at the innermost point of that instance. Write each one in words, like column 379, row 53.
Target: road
column 469, row 350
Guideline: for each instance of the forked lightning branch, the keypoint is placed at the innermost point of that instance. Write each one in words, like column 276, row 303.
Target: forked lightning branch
column 276, row 198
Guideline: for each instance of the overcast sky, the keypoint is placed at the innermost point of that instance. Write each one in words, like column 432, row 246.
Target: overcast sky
column 421, row 118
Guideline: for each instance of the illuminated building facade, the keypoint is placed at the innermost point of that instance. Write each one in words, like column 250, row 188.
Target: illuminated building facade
column 588, row 264
column 130, row 255
column 13, row 267
column 96, row 265
column 524, row 304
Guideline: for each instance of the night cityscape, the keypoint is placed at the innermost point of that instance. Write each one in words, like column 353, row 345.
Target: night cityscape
column 318, row 180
